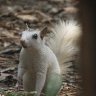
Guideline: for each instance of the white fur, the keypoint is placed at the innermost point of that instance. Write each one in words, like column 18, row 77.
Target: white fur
column 39, row 61
column 65, row 40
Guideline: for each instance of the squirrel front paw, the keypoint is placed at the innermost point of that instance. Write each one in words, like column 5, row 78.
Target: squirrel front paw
column 18, row 85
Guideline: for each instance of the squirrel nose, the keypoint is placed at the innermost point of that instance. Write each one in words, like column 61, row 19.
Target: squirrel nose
column 23, row 43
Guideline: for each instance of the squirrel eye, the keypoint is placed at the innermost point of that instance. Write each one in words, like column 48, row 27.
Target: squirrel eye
column 35, row 36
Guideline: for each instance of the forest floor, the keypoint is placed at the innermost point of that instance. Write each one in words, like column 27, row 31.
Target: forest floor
column 14, row 15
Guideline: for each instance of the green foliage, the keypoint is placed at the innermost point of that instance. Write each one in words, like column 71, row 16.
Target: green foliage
column 14, row 93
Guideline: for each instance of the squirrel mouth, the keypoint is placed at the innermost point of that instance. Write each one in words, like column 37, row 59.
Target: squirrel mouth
column 23, row 44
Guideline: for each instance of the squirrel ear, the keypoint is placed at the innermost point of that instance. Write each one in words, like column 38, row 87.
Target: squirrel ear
column 43, row 32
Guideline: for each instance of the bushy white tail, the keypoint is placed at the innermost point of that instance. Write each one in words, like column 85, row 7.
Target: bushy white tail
column 64, row 40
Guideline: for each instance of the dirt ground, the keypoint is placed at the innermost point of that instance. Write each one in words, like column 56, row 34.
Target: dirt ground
column 14, row 15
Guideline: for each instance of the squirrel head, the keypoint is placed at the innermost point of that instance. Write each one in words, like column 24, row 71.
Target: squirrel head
column 33, row 38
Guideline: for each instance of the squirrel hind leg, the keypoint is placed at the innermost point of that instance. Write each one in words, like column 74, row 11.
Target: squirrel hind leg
column 53, row 85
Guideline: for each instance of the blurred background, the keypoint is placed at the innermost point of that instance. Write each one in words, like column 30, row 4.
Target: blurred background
column 14, row 15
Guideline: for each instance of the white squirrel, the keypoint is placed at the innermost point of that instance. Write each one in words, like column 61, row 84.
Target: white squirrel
column 42, row 57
